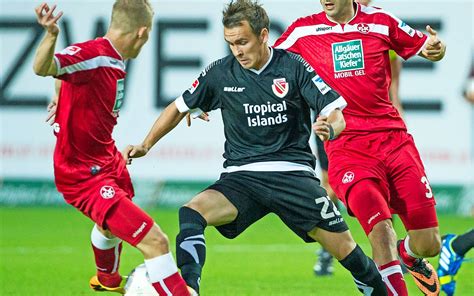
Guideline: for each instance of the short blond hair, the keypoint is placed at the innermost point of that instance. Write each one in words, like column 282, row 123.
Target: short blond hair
column 129, row 15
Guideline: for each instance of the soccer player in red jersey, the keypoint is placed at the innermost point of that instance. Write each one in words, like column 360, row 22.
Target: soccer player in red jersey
column 374, row 166
column 89, row 170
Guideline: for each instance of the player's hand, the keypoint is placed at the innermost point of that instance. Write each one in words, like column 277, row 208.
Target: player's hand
column 204, row 116
column 52, row 107
column 133, row 151
column 321, row 128
column 434, row 49
column 46, row 18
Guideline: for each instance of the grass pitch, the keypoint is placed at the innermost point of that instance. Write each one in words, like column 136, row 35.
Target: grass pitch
column 46, row 251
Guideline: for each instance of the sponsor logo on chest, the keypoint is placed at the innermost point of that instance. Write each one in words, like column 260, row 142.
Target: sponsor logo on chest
column 348, row 56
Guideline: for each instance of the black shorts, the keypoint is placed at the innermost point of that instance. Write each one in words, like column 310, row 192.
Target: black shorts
column 296, row 197
column 322, row 156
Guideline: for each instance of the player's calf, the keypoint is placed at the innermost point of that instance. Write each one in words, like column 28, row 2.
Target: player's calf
column 366, row 275
column 191, row 246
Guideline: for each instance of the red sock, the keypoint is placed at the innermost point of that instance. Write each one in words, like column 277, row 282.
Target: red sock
column 393, row 278
column 402, row 252
column 173, row 285
column 107, row 262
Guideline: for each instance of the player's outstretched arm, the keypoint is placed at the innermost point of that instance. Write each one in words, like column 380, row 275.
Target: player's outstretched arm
column 167, row 121
column 44, row 64
column 434, row 49
column 328, row 128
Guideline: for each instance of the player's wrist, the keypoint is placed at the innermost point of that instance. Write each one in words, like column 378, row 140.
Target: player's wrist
column 332, row 134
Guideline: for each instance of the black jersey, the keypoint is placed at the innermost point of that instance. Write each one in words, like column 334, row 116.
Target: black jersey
column 266, row 113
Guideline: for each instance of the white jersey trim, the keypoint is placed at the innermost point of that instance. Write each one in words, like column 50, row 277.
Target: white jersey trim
column 94, row 63
column 270, row 166
column 182, row 107
column 321, row 29
column 340, row 104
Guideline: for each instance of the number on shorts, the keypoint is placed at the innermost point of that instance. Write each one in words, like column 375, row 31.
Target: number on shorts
column 325, row 214
column 429, row 193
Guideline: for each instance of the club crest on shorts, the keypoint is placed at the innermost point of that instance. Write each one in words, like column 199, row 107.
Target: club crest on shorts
column 280, row 87
column 107, row 192
column 348, row 177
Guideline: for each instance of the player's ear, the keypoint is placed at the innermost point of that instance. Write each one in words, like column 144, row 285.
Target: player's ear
column 264, row 35
column 142, row 32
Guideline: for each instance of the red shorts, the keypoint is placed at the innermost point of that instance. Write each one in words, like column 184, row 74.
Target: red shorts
column 393, row 162
column 106, row 200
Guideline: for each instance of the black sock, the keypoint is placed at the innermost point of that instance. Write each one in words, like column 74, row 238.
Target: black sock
column 191, row 246
column 463, row 243
column 366, row 275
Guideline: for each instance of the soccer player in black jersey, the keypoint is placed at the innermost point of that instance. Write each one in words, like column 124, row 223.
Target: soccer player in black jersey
column 265, row 96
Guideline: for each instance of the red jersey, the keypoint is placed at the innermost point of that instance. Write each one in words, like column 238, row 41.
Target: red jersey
column 91, row 95
column 353, row 59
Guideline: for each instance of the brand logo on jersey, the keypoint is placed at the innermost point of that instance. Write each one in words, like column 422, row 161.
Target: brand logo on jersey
column 363, row 28
column 71, row 50
column 348, row 177
column 107, row 192
column 280, row 87
column 193, row 87
column 234, row 89
column 419, row 34
column 406, row 28
column 323, row 28
column 348, row 56
column 321, row 85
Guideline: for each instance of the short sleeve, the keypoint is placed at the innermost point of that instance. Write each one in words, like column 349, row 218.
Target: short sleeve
column 72, row 63
column 203, row 93
column 316, row 92
column 403, row 39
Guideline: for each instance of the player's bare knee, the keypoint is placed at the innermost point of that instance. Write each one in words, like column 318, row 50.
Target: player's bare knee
column 154, row 243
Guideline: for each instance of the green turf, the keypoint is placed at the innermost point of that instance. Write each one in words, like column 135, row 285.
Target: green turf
column 46, row 251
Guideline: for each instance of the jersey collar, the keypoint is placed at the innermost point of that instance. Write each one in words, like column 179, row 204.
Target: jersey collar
column 266, row 64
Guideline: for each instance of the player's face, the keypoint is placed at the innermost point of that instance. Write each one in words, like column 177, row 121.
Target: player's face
column 336, row 8
column 249, row 49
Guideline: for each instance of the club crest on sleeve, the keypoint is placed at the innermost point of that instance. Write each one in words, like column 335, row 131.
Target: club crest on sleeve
column 107, row 192
column 194, row 86
column 280, row 87
column 71, row 50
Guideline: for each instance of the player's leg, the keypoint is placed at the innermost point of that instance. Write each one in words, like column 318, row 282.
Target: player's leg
column 452, row 253
column 324, row 264
column 367, row 202
column 343, row 247
column 130, row 223
column 413, row 200
column 304, row 207
column 107, row 249
column 209, row 207
column 421, row 241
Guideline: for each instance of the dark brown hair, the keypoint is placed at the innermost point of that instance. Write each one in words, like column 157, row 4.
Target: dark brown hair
column 236, row 12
